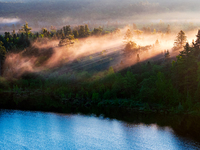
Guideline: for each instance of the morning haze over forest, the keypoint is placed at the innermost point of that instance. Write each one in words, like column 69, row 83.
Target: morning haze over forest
column 135, row 62
column 59, row 47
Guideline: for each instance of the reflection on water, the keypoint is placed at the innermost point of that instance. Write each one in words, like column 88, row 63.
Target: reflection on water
column 39, row 130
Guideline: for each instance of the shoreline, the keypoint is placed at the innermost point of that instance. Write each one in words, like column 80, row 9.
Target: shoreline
column 52, row 103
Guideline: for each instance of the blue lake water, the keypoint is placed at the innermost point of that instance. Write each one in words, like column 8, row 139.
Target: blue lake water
column 40, row 130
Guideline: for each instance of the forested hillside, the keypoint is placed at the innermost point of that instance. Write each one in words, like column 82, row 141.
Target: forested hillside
column 73, row 68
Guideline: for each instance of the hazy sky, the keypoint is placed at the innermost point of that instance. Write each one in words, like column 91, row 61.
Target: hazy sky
column 79, row 11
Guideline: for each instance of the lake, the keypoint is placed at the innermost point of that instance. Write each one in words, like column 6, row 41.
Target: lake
column 41, row 130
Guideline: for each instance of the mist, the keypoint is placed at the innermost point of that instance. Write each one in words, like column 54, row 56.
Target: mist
column 9, row 20
column 88, row 51
column 42, row 13
column 180, row 15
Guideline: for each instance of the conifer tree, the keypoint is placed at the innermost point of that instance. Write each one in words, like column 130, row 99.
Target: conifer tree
column 87, row 31
column 76, row 34
column 196, row 46
column 25, row 29
column 81, row 31
column 97, row 31
column 180, row 40
column 2, row 55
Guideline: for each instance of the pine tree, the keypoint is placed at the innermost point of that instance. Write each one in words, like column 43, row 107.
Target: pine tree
column 180, row 40
column 185, row 71
column 81, row 31
column 76, row 34
column 67, row 30
column 197, row 42
column 87, row 31
column 14, row 36
column 2, row 55
column 97, row 31
column 196, row 46
column 25, row 29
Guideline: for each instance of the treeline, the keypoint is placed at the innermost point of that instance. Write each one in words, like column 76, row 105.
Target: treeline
column 172, row 86
column 22, row 38
column 18, row 40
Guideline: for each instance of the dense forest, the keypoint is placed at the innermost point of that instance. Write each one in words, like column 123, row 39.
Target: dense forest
column 55, row 69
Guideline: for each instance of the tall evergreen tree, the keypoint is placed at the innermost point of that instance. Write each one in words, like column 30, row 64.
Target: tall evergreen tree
column 2, row 55
column 81, row 31
column 87, row 31
column 26, row 29
column 180, row 40
column 196, row 46
column 76, row 34
column 97, row 31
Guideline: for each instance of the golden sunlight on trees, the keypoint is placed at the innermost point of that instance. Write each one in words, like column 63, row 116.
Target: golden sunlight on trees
column 180, row 40
column 117, row 32
column 138, row 33
column 45, row 32
column 128, row 36
column 25, row 28
column 130, row 47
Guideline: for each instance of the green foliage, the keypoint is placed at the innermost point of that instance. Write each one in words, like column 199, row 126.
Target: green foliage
column 129, row 82
column 140, row 86
column 97, row 31
column 166, row 93
column 107, row 95
column 148, row 89
column 17, row 89
column 81, row 31
column 95, row 97
column 2, row 50
column 4, row 85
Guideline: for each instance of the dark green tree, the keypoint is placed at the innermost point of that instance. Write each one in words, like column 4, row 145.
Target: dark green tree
column 67, row 30
column 76, row 34
column 87, row 31
column 2, row 55
column 97, row 31
column 81, row 31
column 184, row 71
